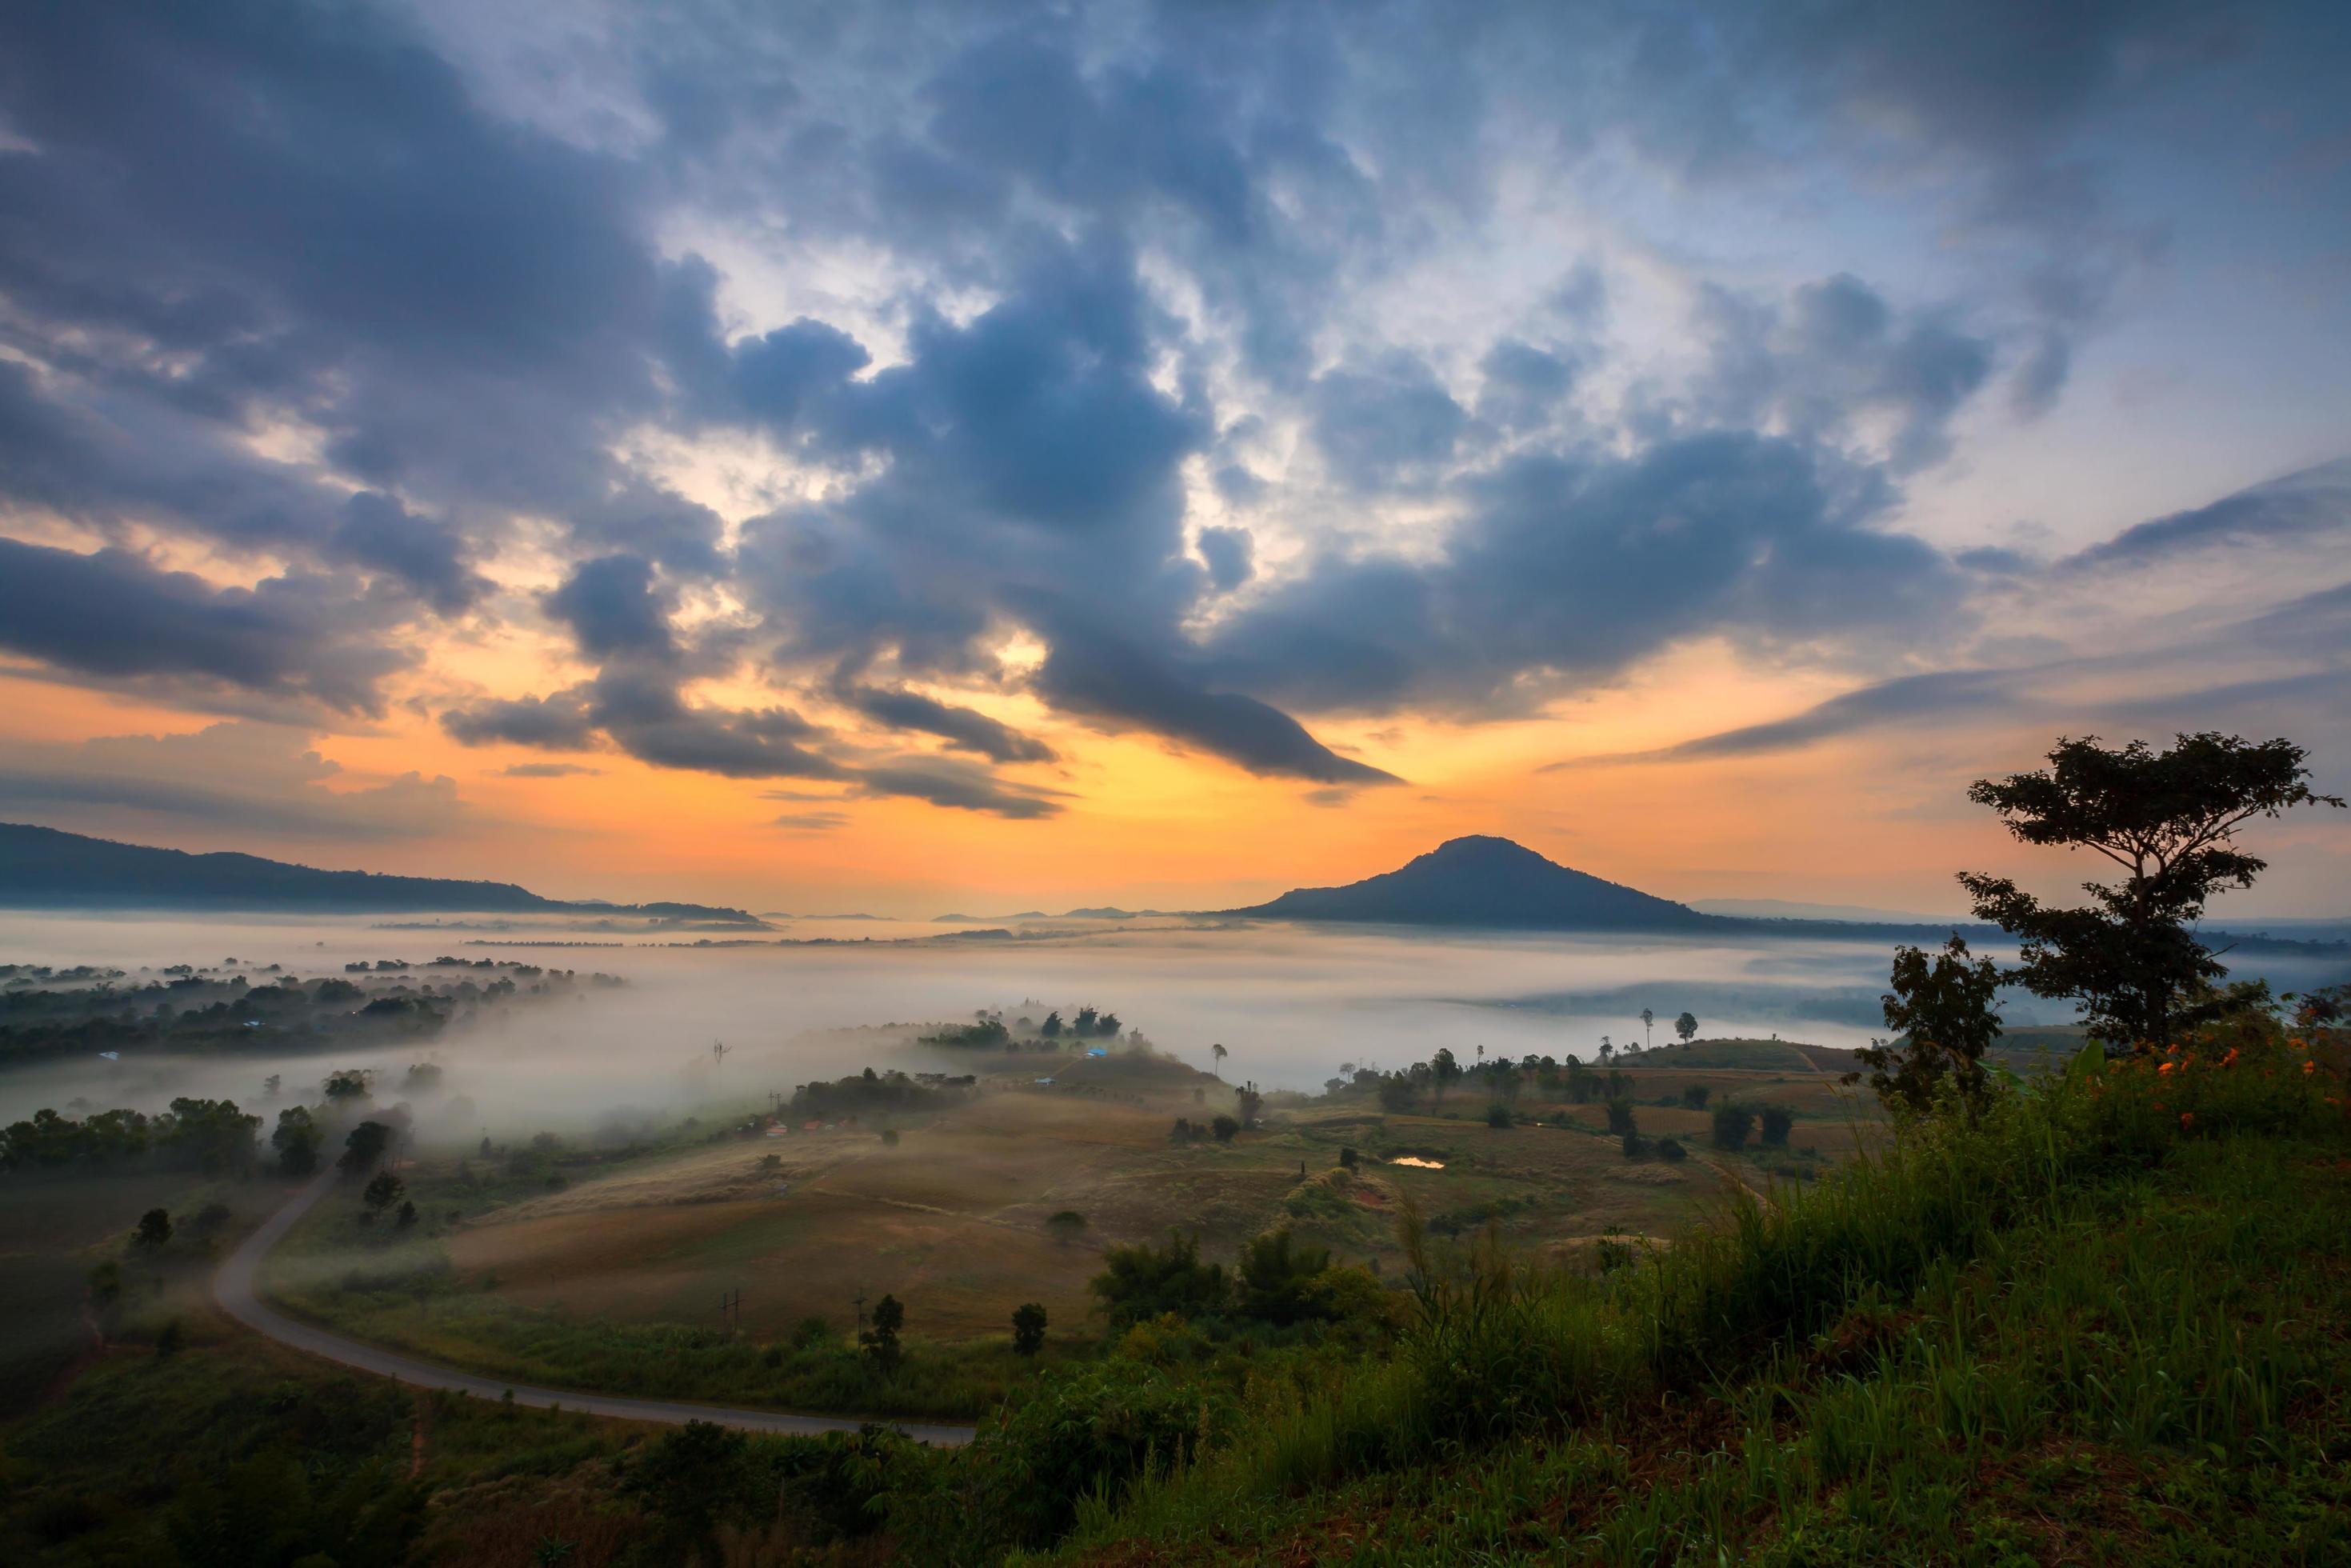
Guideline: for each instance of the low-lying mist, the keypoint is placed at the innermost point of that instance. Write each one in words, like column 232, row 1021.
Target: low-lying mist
column 1290, row 1004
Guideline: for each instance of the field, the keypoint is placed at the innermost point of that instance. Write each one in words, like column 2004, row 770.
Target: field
column 954, row 1216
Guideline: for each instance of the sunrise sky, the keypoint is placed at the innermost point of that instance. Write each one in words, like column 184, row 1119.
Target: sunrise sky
column 910, row 458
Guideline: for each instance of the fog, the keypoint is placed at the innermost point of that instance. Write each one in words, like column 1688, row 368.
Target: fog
column 1290, row 1004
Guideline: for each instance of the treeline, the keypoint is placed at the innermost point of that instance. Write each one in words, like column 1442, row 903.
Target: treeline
column 990, row 1032
column 193, row 1011
column 867, row 1092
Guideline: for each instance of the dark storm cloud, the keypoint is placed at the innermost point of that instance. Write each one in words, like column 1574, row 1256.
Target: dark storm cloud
column 111, row 614
column 237, row 220
column 1567, row 571
column 2297, row 507
column 966, row 729
column 614, row 608
column 1381, row 420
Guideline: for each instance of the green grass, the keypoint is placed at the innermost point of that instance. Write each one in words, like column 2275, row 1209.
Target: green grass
column 1868, row 1368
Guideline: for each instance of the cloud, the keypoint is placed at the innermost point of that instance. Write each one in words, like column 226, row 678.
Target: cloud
column 558, row 722
column 549, row 771
column 247, row 777
column 1904, row 700
column 810, row 821
column 2297, row 507
column 966, row 729
column 1384, row 419
column 114, row 615
column 943, row 781
column 612, row 608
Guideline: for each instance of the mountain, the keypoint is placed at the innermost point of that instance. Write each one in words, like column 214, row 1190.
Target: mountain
column 42, row 868
column 1488, row 881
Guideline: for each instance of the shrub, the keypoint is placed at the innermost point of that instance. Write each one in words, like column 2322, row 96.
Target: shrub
column 1635, row 1146
column 1143, row 1281
column 1224, row 1128
column 1066, row 1225
column 1028, row 1328
column 1498, row 1114
column 1695, row 1096
column 1776, row 1121
column 1732, row 1124
column 1670, row 1151
column 1277, row 1278
column 1620, row 1117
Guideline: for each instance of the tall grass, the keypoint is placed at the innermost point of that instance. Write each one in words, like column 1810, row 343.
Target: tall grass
column 1506, row 1349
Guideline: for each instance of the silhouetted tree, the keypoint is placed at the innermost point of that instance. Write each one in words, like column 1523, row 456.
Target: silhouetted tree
column 364, row 1147
column 1028, row 1328
column 383, row 1191
column 1217, row 1054
column 406, row 1218
column 1051, row 1028
column 1249, row 1103
column 1143, row 1281
column 1776, row 1120
column 1686, row 1026
column 295, row 1139
column 1066, row 1225
column 1695, row 1096
column 881, row 1342
column 2168, row 821
column 1278, row 1277
column 1647, row 1019
column 1942, row 1015
column 1224, row 1128
column 1443, row 1073
column 1620, row 1116
column 154, row 1229
column 1732, row 1124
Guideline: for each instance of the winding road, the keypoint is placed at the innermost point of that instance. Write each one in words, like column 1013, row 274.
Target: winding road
column 232, row 1287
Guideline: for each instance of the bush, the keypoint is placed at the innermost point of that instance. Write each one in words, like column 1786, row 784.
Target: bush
column 1695, row 1096
column 1066, row 1225
column 1670, row 1151
column 1732, row 1124
column 1143, row 1281
column 1776, row 1120
column 1498, row 1114
column 1028, row 1328
column 1620, row 1117
column 1277, row 1278
column 1635, row 1146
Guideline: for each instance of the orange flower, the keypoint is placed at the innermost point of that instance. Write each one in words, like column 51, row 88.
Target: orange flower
column 2308, row 1068
column 2165, row 1068
column 2231, row 1058
column 2187, row 1120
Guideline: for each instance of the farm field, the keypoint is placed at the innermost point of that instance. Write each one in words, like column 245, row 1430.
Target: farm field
column 749, row 1238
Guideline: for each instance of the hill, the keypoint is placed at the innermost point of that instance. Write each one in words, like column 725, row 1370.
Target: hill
column 42, row 868
column 1488, row 881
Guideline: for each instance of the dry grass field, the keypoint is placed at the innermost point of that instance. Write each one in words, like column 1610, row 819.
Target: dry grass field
column 952, row 1218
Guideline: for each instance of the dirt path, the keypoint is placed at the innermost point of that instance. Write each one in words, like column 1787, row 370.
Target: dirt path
column 232, row 1287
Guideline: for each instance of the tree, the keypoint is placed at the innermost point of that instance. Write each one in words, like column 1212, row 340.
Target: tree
column 1107, row 1026
column 1217, row 1054
column 383, row 1191
column 1028, row 1328
column 1348, row 1158
column 689, row 1480
column 347, row 1084
column 1497, row 1115
column 297, row 1140
column 881, row 1342
column 1051, row 1028
column 1248, row 1104
column 1695, row 1096
column 1143, row 1281
column 154, row 1229
column 1606, row 1051
column 1443, row 1073
column 1776, row 1120
column 1686, row 1026
column 1732, row 1124
column 1396, row 1094
column 1671, row 1151
column 364, row 1148
column 1648, row 1019
column 1942, row 1016
column 1224, row 1128
column 1066, row 1225
column 406, row 1218
column 2168, row 819
column 1083, row 1024
column 1620, row 1116
column 1277, row 1278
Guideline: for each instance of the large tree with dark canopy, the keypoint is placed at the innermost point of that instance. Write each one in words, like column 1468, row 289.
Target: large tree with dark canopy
column 2169, row 819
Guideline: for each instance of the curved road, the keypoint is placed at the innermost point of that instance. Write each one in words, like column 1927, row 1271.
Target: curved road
column 232, row 1287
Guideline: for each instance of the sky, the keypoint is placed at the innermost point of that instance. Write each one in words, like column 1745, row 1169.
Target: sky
column 914, row 457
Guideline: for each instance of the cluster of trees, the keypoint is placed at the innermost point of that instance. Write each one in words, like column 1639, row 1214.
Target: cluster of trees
column 2130, row 960
column 1276, row 1280
column 1086, row 1024
column 1185, row 1133
column 209, row 1135
column 202, row 1011
column 867, row 1092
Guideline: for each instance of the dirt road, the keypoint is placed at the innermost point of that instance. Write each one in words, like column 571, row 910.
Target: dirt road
column 232, row 1287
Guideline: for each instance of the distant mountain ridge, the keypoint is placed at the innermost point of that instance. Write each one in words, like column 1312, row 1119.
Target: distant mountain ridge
column 45, row 868
column 1482, row 881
